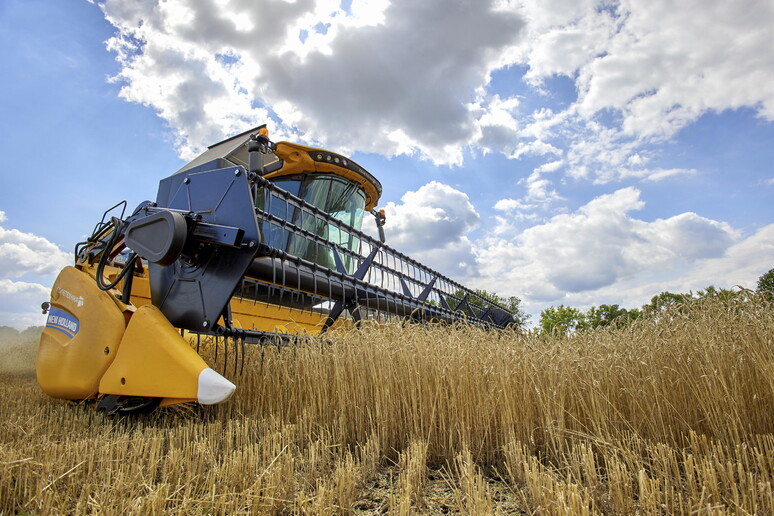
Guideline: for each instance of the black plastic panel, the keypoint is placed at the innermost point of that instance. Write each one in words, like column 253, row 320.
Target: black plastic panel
column 193, row 291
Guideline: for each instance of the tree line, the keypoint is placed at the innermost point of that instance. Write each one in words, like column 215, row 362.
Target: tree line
column 568, row 320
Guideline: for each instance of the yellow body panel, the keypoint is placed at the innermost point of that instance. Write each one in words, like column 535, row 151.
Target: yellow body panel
column 141, row 294
column 267, row 317
column 246, row 313
column 87, row 348
column 153, row 360
column 81, row 337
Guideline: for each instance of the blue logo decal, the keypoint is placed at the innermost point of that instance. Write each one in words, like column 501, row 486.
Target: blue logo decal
column 62, row 321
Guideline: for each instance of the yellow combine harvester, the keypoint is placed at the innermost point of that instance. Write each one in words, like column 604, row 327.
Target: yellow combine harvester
column 249, row 242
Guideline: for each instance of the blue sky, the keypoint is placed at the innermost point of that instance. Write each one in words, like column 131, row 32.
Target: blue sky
column 565, row 152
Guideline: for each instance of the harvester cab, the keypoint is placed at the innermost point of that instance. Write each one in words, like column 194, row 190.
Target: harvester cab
column 252, row 241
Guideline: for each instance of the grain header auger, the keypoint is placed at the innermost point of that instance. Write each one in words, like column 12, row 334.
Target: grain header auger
column 249, row 242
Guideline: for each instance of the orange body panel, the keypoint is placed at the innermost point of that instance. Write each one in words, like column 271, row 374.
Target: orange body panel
column 296, row 160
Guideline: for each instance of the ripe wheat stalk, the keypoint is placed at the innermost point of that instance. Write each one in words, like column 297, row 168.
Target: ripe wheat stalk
column 674, row 415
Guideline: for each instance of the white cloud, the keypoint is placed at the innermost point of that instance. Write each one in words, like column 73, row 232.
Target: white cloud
column 510, row 205
column 175, row 60
column 20, row 304
column 661, row 63
column 660, row 173
column 404, row 77
column 599, row 253
column 497, row 123
column 534, row 148
column 413, row 66
column 26, row 256
column 431, row 225
column 647, row 69
column 599, row 245
column 512, row 210
column 414, row 72
column 539, row 197
column 600, row 154
column 430, row 218
column 564, row 40
column 539, row 189
column 740, row 265
column 455, row 259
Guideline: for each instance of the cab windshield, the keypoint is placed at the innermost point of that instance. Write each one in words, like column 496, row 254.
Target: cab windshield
column 334, row 195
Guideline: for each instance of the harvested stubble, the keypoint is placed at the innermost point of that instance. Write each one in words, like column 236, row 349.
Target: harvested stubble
column 674, row 415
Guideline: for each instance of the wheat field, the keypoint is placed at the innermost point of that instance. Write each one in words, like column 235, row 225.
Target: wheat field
column 672, row 415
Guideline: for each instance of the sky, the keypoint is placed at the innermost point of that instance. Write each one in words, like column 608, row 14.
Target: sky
column 574, row 152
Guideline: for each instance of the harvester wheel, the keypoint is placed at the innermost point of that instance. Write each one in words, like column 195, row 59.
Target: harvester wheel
column 113, row 404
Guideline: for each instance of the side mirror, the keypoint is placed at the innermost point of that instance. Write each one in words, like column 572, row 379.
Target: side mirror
column 380, row 219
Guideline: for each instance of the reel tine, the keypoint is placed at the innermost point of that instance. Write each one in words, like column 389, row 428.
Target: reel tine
column 242, row 367
column 225, row 353
column 236, row 355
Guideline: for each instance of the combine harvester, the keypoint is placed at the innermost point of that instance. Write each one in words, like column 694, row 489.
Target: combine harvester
column 250, row 242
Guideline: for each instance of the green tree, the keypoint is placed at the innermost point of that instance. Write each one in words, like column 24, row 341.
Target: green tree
column 607, row 315
column 562, row 319
column 766, row 283
column 665, row 301
column 723, row 294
